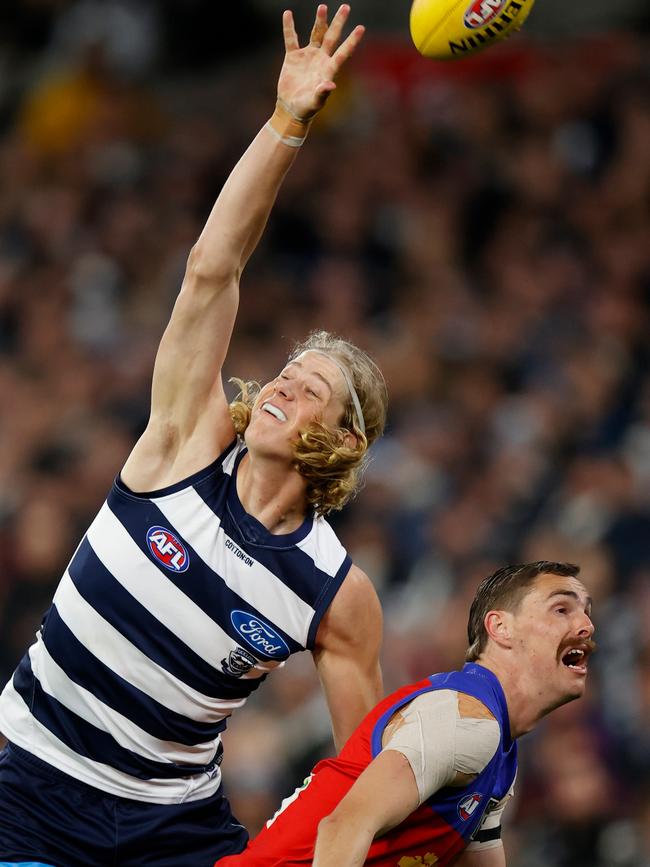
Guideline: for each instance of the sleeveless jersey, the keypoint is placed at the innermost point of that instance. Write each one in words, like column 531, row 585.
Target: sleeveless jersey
column 436, row 832
column 175, row 606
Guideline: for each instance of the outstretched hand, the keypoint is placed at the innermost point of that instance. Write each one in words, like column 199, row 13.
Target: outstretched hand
column 307, row 75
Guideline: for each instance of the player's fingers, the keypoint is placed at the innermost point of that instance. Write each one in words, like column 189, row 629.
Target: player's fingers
column 347, row 48
column 319, row 29
column 289, row 31
column 333, row 35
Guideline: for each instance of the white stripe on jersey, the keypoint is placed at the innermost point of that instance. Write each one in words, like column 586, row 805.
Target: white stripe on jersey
column 229, row 461
column 117, row 653
column 24, row 730
column 127, row 734
column 195, row 520
column 153, row 590
column 324, row 548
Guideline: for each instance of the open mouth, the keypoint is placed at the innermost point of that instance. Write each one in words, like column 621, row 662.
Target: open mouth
column 575, row 658
column 275, row 411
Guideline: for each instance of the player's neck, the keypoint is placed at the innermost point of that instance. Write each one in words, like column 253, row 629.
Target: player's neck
column 268, row 492
column 526, row 705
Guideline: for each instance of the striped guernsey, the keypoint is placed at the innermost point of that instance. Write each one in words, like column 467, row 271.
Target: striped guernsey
column 173, row 609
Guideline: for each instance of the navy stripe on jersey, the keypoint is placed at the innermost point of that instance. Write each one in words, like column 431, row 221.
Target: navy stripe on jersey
column 89, row 672
column 87, row 739
column 116, row 605
column 306, row 579
column 205, row 588
column 323, row 602
column 194, row 479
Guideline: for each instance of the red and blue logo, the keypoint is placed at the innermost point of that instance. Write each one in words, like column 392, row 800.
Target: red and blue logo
column 481, row 12
column 168, row 549
column 468, row 805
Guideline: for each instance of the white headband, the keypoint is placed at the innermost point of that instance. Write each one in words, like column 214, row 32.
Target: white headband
column 356, row 403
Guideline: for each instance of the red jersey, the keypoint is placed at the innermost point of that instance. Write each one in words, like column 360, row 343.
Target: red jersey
column 437, row 831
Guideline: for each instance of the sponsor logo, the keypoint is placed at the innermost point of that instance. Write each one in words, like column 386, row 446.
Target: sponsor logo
column 481, row 12
column 242, row 555
column 262, row 637
column 167, row 549
column 238, row 663
column 468, row 805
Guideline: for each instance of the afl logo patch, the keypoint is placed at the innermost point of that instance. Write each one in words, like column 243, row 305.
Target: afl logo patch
column 262, row 637
column 168, row 549
column 468, row 805
column 481, row 12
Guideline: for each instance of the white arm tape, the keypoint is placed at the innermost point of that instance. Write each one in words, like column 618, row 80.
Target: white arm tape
column 438, row 743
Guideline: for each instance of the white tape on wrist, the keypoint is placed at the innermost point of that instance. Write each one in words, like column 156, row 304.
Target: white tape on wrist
column 287, row 127
column 291, row 141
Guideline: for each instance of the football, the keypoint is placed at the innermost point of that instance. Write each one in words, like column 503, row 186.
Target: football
column 451, row 29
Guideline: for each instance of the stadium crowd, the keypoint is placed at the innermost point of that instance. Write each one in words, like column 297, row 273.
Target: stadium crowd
column 484, row 232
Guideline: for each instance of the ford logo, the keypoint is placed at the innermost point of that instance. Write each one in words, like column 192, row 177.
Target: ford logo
column 262, row 637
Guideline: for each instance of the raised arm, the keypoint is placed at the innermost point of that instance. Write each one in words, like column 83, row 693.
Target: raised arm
column 190, row 423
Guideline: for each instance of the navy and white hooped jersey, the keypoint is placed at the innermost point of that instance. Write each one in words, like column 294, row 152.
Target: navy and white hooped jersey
column 173, row 609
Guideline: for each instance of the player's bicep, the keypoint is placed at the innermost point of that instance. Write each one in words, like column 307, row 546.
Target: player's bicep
column 382, row 797
column 346, row 654
column 192, row 351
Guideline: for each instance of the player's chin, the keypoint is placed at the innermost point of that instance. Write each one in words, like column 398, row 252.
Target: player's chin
column 576, row 687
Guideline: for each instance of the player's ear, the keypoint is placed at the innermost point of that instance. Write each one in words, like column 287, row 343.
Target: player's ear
column 498, row 625
column 349, row 440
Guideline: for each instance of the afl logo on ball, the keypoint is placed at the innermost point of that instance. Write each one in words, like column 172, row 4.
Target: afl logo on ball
column 481, row 12
column 168, row 549
column 467, row 806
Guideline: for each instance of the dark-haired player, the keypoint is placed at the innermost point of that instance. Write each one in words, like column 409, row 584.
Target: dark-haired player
column 426, row 776
column 210, row 562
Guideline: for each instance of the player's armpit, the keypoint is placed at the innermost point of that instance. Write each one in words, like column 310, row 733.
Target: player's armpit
column 346, row 654
column 494, row 857
column 382, row 797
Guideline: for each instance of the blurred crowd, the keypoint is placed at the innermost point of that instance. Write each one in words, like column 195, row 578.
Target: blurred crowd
column 483, row 230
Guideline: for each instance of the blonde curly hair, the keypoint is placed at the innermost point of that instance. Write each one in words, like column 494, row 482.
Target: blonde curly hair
column 333, row 471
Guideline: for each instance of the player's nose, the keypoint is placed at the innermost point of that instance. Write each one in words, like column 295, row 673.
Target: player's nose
column 586, row 627
column 284, row 389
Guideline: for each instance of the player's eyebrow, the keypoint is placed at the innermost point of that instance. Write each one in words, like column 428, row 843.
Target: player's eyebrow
column 314, row 373
column 573, row 595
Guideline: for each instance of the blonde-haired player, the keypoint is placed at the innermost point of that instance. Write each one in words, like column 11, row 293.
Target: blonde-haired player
column 209, row 563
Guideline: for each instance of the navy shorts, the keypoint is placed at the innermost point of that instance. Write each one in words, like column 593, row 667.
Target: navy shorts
column 50, row 818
